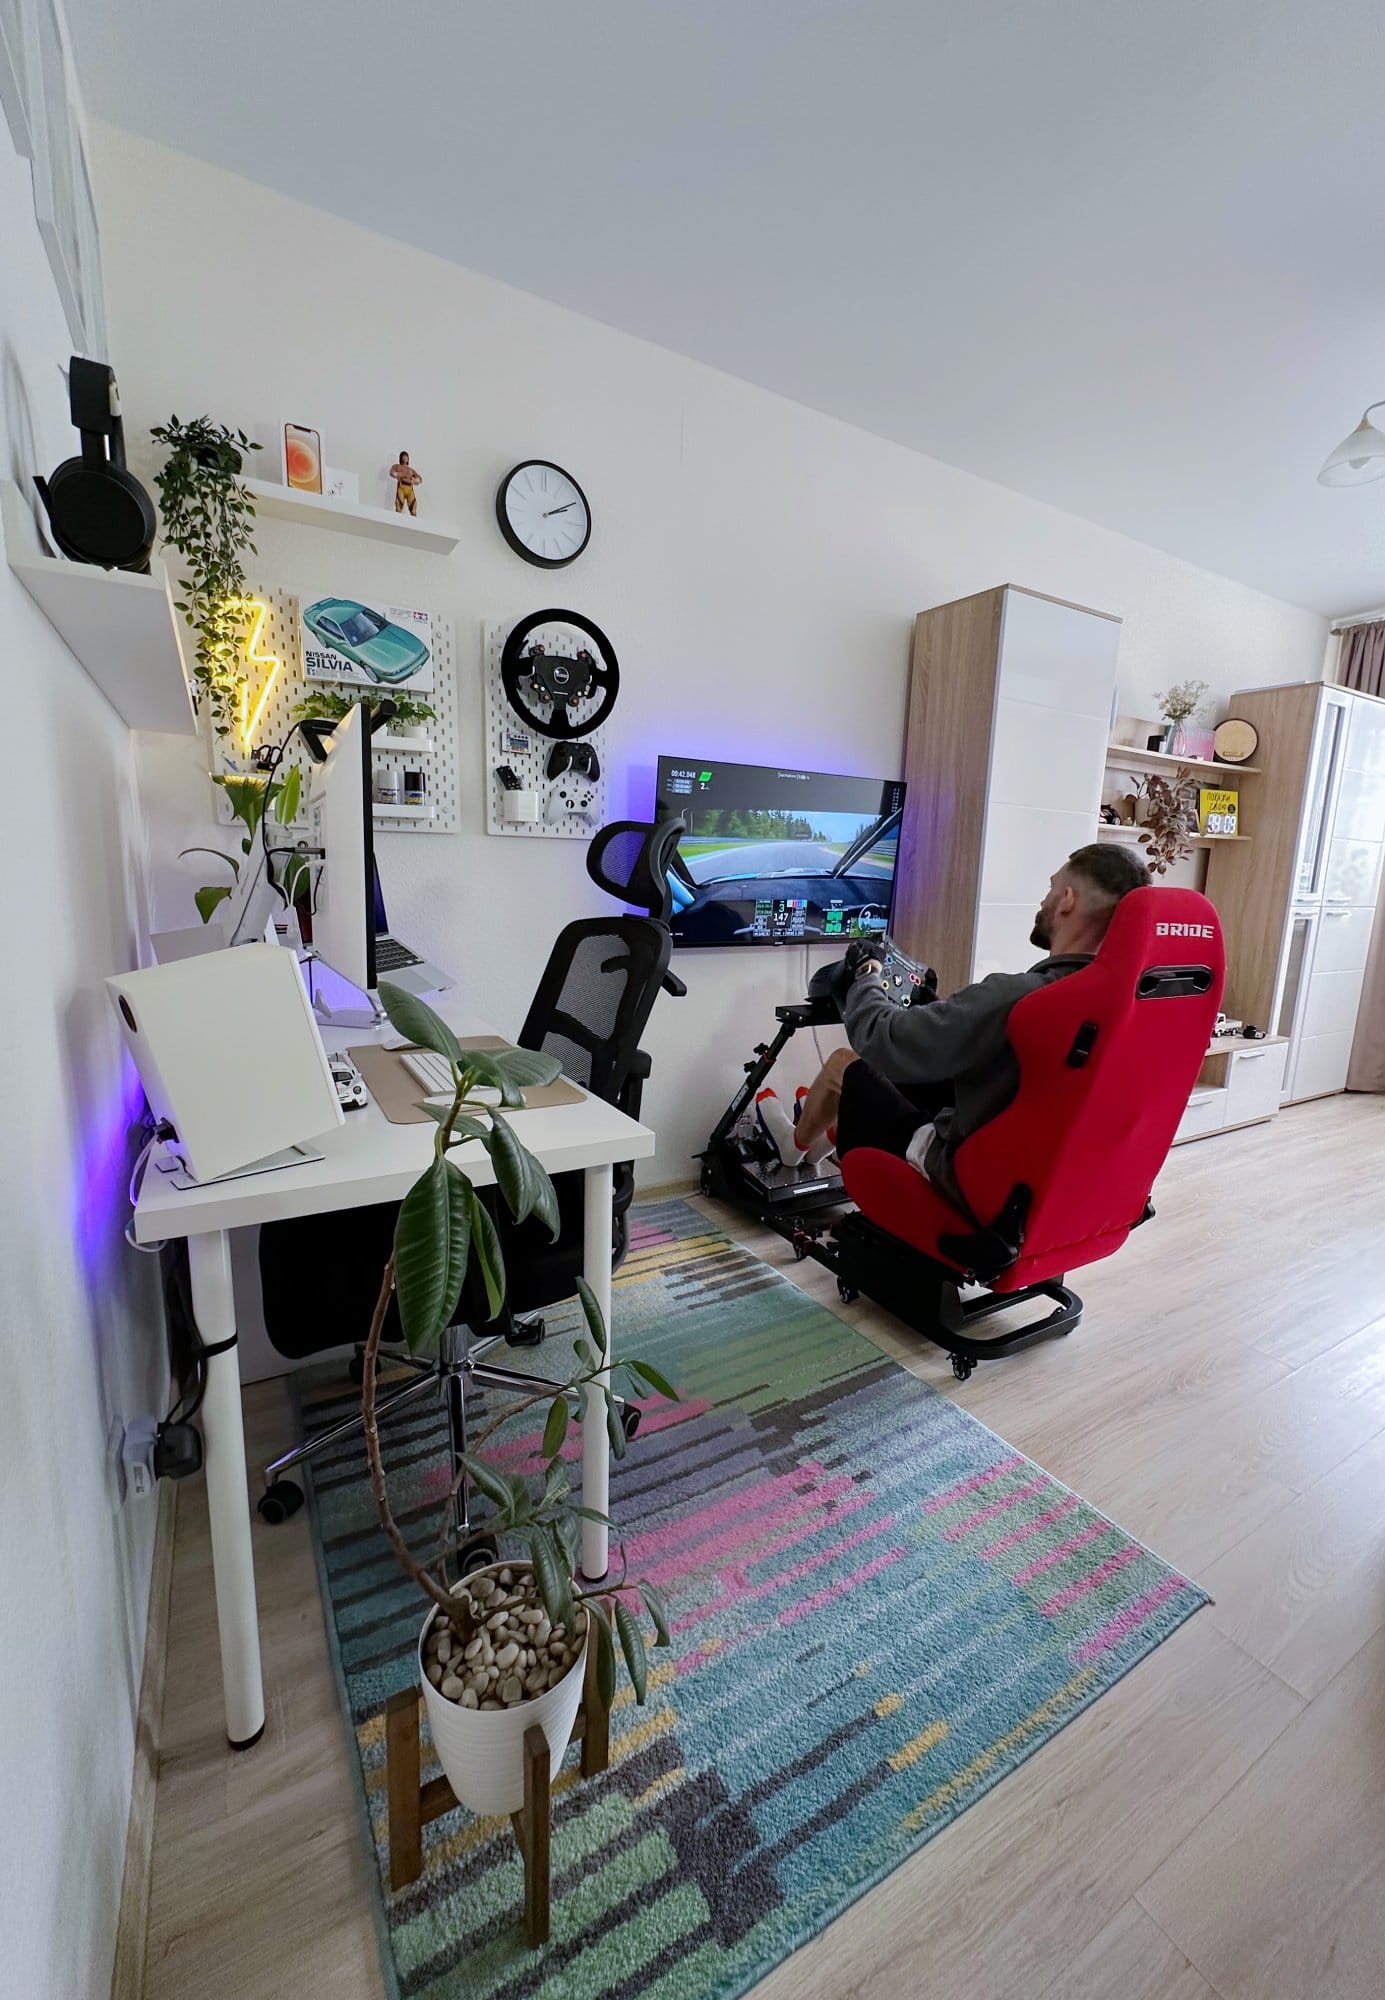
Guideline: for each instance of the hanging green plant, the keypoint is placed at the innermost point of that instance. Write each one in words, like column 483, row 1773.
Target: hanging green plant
column 208, row 517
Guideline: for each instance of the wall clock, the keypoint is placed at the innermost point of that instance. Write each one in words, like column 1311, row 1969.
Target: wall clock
column 543, row 514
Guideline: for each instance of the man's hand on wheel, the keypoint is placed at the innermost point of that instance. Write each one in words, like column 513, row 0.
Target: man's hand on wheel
column 862, row 959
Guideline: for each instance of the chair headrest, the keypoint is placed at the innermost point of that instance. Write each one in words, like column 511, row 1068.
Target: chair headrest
column 629, row 860
column 1152, row 929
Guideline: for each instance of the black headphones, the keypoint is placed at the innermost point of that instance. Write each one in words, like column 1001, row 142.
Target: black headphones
column 98, row 512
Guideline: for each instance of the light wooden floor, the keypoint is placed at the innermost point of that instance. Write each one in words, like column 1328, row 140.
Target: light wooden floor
column 1215, row 1825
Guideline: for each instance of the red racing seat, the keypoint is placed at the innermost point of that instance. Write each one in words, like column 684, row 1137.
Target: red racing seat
column 1107, row 1059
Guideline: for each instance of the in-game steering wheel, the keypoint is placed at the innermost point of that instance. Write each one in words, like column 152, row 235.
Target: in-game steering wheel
column 555, row 679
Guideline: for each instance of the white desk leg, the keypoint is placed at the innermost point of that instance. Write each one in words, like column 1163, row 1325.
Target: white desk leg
column 596, row 1448
column 228, row 1492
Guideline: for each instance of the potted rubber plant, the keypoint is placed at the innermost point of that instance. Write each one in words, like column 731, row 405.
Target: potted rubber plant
column 505, row 1646
column 209, row 517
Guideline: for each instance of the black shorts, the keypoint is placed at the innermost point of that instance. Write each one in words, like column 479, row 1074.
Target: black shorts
column 876, row 1112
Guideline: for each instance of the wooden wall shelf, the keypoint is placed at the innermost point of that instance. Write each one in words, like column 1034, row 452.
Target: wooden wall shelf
column 1126, row 753
column 1105, row 832
column 381, row 524
column 122, row 628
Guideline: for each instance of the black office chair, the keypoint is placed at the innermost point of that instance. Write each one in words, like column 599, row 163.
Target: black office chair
column 320, row 1275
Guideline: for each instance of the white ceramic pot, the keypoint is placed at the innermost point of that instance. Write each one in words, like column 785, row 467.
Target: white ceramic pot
column 482, row 1749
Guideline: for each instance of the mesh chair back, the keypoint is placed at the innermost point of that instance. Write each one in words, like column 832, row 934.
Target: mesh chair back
column 629, row 859
column 596, row 994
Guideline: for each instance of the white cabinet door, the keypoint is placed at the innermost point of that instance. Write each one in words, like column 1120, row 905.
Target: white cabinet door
column 1344, row 937
column 1352, row 871
column 1254, row 1083
column 1324, row 772
column 1330, row 1008
column 1320, row 1066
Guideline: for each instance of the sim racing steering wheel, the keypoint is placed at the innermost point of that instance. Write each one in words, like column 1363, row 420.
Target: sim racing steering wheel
column 556, row 680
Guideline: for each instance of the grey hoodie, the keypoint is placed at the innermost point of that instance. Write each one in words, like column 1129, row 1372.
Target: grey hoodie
column 961, row 1040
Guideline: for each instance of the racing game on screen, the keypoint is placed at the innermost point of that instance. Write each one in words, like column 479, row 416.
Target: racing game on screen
column 778, row 856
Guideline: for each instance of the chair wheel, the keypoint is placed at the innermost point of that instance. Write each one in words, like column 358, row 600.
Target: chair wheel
column 526, row 1332
column 847, row 1293
column 479, row 1554
column 279, row 1502
column 630, row 1419
column 962, row 1367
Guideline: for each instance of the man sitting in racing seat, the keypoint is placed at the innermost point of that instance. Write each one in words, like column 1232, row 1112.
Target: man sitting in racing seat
column 918, row 1080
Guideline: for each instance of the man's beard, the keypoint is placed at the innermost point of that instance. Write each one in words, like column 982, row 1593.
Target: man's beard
column 1041, row 935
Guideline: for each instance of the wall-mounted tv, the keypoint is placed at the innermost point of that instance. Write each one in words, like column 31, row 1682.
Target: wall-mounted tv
column 778, row 856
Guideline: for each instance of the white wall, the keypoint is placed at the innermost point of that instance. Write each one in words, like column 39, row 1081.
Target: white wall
column 757, row 565
column 83, row 1340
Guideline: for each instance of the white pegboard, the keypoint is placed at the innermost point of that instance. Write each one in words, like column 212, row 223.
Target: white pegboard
column 441, row 763
column 510, row 740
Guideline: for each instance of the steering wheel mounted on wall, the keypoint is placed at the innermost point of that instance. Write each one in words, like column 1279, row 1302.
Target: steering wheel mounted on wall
column 558, row 680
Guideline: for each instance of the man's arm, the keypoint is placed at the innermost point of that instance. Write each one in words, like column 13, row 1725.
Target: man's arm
column 932, row 1044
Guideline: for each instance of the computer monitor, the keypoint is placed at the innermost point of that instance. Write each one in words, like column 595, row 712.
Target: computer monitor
column 344, row 914
column 774, row 855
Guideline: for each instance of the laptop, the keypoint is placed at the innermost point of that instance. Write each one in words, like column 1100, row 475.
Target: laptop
column 399, row 962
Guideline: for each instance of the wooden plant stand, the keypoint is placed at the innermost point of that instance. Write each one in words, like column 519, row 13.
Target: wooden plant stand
column 412, row 1804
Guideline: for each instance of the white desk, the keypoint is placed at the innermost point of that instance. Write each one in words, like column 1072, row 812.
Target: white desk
column 368, row 1160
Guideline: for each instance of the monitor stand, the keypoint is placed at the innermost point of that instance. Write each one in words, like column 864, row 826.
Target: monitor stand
column 366, row 1012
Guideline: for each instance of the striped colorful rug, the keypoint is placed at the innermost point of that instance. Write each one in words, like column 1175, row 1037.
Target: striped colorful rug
column 879, row 1611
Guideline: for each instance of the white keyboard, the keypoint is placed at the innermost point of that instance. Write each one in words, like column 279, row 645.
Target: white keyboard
column 435, row 1074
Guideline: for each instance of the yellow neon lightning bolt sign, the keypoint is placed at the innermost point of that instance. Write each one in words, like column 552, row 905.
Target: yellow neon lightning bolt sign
column 255, row 658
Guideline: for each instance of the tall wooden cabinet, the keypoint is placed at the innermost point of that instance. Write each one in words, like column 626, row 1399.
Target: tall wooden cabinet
column 1299, row 904
column 1010, row 699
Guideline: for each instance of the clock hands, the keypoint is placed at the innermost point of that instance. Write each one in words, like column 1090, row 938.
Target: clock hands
column 559, row 510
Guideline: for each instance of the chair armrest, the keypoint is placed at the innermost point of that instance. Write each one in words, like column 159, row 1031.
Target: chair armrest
column 673, row 984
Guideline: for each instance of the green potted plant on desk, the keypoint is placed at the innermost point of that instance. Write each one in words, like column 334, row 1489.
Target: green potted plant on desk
column 505, row 1647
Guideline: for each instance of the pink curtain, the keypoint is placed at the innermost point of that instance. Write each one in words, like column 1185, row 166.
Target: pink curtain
column 1362, row 663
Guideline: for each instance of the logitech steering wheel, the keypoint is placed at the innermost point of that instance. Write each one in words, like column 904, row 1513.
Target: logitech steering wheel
column 558, row 680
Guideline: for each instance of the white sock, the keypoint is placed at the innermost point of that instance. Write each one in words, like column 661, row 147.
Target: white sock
column 776, row 1124
column 817, row 1151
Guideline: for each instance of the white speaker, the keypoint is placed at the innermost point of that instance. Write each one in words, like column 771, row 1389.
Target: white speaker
column 229, row 1055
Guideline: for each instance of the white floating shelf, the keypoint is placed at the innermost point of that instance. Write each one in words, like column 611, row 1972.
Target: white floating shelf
column 402, row 812
column 1126, row 753
column 121, row 627
column 380, row 524
column 420, row 746
column 1107, row 832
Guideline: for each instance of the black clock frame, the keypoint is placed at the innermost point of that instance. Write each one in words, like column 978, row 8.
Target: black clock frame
column 527, row 554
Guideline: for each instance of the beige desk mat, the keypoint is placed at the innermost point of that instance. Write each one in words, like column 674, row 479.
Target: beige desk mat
column 397, row 1093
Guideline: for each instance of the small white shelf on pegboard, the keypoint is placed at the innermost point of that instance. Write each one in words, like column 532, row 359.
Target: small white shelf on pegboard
column 419, row 746
column 381, row 524
column 511, row 740
column 378, row 811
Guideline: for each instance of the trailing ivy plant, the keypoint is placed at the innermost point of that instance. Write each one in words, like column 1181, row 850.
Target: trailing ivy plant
column 251, row 795
column 443, row 1228
column 208, row 516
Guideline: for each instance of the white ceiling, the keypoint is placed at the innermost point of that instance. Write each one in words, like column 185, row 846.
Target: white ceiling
column 1125, row 257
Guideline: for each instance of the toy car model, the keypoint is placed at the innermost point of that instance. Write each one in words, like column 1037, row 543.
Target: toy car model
column 384, row 651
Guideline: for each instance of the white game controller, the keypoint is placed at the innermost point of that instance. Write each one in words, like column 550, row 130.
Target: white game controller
column 566, row 800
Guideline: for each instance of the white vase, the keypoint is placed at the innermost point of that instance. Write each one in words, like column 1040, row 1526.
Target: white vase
column 481, row 1750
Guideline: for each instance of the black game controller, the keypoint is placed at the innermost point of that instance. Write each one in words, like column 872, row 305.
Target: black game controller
column 578, row 758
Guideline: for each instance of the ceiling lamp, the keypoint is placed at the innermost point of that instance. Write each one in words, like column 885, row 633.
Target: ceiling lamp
column 1358, row 458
